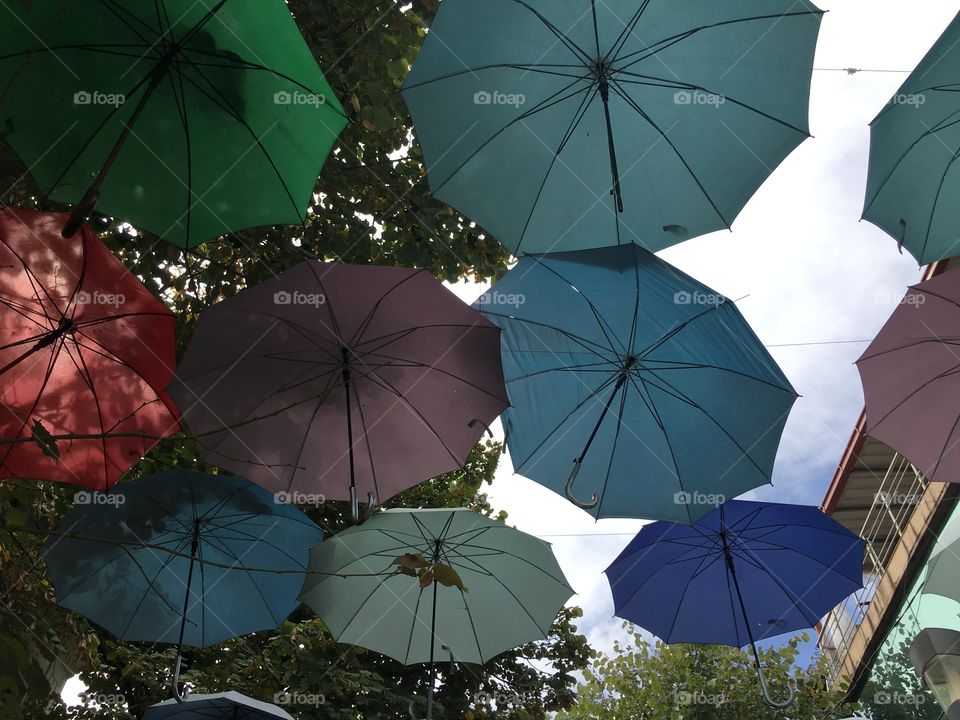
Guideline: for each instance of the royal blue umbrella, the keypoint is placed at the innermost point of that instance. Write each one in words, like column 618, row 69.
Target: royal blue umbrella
column 181, row 557
column 745, row 572
column 636, row 382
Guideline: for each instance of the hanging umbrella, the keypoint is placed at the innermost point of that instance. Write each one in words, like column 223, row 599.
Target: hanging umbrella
column 222, row 706
column 335, row 379
column 943, row 567
column 183, row 558
column 483, row 587
column 189, row 118
column 654, row 379
column 746, row 572
column 910, row 380
column 85, row 350
column 562, row 126
column 912, row 184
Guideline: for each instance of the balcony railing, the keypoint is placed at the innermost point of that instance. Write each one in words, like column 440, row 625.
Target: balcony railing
column 898, row 494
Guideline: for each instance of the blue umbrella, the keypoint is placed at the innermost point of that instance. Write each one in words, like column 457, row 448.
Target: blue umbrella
column 182, row 557
column 636, row 382
column 745, row 572
column 577, row 124
column 221, row 706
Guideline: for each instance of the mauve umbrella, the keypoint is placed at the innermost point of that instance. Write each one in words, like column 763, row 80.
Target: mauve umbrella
column 911, row 380
column 336, row 379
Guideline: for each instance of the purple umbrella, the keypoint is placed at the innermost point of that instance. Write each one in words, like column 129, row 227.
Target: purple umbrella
column 911, row 378
column 332, row 380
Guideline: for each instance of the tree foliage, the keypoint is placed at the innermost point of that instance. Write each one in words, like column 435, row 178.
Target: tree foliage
column 373, row 206
column 644, row 681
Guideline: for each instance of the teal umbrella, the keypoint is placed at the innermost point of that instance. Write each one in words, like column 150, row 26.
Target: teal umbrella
column 914, row 180
column 567, row 125
column 188, row 118
column 435, row 583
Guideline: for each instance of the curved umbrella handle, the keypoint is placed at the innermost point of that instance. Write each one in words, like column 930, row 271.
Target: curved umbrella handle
column 568, row 488
column 765, row 688
column 178, row 695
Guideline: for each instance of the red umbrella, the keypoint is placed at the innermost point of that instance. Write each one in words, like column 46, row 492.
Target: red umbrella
column 911, row 378
column 85, row 350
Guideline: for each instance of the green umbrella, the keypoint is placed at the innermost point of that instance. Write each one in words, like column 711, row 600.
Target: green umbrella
column 189, row 118
column 433, row 583
column 913, row 184
column 577, row 124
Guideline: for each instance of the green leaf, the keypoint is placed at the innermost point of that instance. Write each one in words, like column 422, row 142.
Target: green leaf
column 448, row 577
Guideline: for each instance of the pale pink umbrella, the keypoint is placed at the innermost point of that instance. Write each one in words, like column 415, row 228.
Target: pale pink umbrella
column 911, row 379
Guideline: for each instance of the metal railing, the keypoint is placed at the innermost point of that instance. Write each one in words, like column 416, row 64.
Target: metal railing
column 897, row 496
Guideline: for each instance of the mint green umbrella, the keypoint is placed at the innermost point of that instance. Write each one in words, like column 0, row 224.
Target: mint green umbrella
column 490, row 589
column 189, row 118
column 576, row 124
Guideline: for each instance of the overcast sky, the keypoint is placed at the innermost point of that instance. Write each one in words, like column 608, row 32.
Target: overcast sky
column 811, row 272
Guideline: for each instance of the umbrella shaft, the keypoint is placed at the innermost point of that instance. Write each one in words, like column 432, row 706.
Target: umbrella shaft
column 614, row 167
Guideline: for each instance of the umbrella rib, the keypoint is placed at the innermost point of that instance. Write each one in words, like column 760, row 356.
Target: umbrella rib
column 588, row 345
column 372, row 312
column 615, row 85
column 572, row 46
column 911, row 395
column 224, row 548
column 152, row 585
column 221, row 102
column 126, row 16
column 678, row 395
column 757, row 562
column 539, row 68
column 936, row 201
column 565, row 368
column 668, row 42
column 687, row 86
column 544, row 104
column 592, row 396
column 598, row 316
column 700, row 568
column 366, row 438
column 613, row 450
column 181, row 103
column 239, row 63
column 931, row 132
column 401, row 362
column 578, row 116
column 625, row 33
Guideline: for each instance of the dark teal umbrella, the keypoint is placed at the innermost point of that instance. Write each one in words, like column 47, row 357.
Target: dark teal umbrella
column 182, row 558
column 567, row 125
column 635, row 390
column 914, row 180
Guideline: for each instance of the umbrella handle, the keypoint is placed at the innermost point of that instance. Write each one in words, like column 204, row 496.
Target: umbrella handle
column 372, row 503
column 765, row 689
column 568, row 488
column 177, row 694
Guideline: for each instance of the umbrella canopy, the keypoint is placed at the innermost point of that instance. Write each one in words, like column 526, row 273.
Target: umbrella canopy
column 567, row 125
column 212, row 113
column 746, row 572
column 657, row 381
column 514, row 587
column 222, row 706
column 335, row 377
column 910, row 380
column 912, row 184
column 85, row 350
column 943, row 567
column 792, row 563
column 114, row 563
